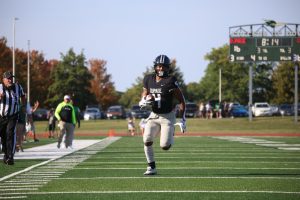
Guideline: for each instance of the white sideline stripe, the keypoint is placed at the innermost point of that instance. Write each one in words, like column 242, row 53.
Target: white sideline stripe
column 28, row 183
column 17, row 189
column 80, row 144
column 15, row 197
column 19, row 186
column 289, row 148
column 158, row 191
column 25, row 170
column 50, row 151
column 261, row 142
column 186, row 177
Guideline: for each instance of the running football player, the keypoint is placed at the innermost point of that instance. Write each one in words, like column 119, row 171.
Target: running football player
column 160, row 90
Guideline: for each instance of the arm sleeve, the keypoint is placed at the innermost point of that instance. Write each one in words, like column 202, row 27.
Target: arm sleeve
column 73, row 116
column 57, row 111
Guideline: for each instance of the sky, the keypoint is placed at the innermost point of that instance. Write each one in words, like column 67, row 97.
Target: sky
column 130, row 34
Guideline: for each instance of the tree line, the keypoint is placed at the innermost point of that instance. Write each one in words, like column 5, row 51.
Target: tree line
column 88, row 82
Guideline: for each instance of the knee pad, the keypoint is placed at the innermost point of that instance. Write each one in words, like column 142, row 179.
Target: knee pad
column 166, row 147
column 148, row 143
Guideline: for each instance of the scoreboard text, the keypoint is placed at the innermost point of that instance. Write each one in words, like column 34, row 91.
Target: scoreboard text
column 251, row 49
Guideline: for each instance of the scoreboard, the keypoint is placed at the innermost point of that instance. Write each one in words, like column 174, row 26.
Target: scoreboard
column 251, row 49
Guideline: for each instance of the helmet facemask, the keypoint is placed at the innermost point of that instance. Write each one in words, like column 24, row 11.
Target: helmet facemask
column 161, row 73
column 164, row 62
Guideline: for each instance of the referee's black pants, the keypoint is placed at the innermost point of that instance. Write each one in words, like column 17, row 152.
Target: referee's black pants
column 8, row 135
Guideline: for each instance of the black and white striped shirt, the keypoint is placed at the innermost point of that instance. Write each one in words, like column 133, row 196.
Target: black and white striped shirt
column 10, row 101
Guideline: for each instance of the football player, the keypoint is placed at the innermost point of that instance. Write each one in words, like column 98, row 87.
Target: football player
column 159, row 91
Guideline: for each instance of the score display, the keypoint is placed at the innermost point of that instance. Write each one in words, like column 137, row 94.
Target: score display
column 251, row 49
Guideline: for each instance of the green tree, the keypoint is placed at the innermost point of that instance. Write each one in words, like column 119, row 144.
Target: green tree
column 71, row 76
column 262, row 82
column 235, row 78
column 284, row 83
column 193, row 92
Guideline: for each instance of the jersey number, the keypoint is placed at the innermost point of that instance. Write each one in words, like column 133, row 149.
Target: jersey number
column 157, row 98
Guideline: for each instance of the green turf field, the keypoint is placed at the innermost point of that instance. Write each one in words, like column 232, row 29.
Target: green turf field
column 197, row 125
column 194, row 168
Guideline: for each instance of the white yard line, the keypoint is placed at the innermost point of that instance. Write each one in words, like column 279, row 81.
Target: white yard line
column 262, row 142
column 158, row 191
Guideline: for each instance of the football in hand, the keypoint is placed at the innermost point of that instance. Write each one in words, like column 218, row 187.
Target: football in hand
column 149, row 97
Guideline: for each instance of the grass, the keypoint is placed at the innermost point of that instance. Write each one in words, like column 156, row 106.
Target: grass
column 197, row 125
column 194, row 168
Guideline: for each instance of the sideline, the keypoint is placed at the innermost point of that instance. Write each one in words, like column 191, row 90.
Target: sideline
column 50, row 151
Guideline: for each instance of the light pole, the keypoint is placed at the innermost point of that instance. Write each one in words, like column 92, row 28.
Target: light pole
column 220, row 85
column 14, row 37
column 28, row 73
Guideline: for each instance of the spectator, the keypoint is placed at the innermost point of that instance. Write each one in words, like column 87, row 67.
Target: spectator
column 30, row 128
column 77, row 113
column 20, row 129
column 208, row 109
column 202, row 110
column 65, row 114
column 131, row 125
column 51, row 123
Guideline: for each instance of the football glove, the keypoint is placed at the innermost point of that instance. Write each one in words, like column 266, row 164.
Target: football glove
column 182, row 125
column 146, row 101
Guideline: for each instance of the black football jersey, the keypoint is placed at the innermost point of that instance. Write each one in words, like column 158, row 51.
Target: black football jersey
column 162, row 91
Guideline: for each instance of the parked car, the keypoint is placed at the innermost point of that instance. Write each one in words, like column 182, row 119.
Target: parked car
column 139, row 113
column 239, row 111
column 191, row 109
column 286, row 109
column 116, row 112
column 40, row 114
column 92, row 113
column 261, row 109
column 275, row 110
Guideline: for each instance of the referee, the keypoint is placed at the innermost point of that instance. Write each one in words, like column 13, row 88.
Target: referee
column 10, row 95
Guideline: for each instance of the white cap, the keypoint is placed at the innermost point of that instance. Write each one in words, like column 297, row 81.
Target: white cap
column 67, row 97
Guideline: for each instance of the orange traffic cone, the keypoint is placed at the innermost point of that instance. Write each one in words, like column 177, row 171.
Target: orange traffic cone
column 111, row 133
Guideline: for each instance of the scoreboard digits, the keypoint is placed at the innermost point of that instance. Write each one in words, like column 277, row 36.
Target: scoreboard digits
column 264, row 49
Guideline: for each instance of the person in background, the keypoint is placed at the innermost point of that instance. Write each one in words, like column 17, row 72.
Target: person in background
column 11, row 95
column 77, row 113
column 20, row 129
column 51, row 123
column 131, row 125
column 65, row 114
column 30, row 123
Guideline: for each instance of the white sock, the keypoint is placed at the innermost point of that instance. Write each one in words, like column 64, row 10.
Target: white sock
column 149, row 153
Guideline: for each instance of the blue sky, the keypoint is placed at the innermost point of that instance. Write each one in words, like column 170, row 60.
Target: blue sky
column 129, row 34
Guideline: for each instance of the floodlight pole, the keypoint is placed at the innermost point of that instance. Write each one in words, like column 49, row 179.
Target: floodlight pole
column 220, row 85
column 28, row 73
column 14, row 37
column 250, row 90
column 296, row 93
